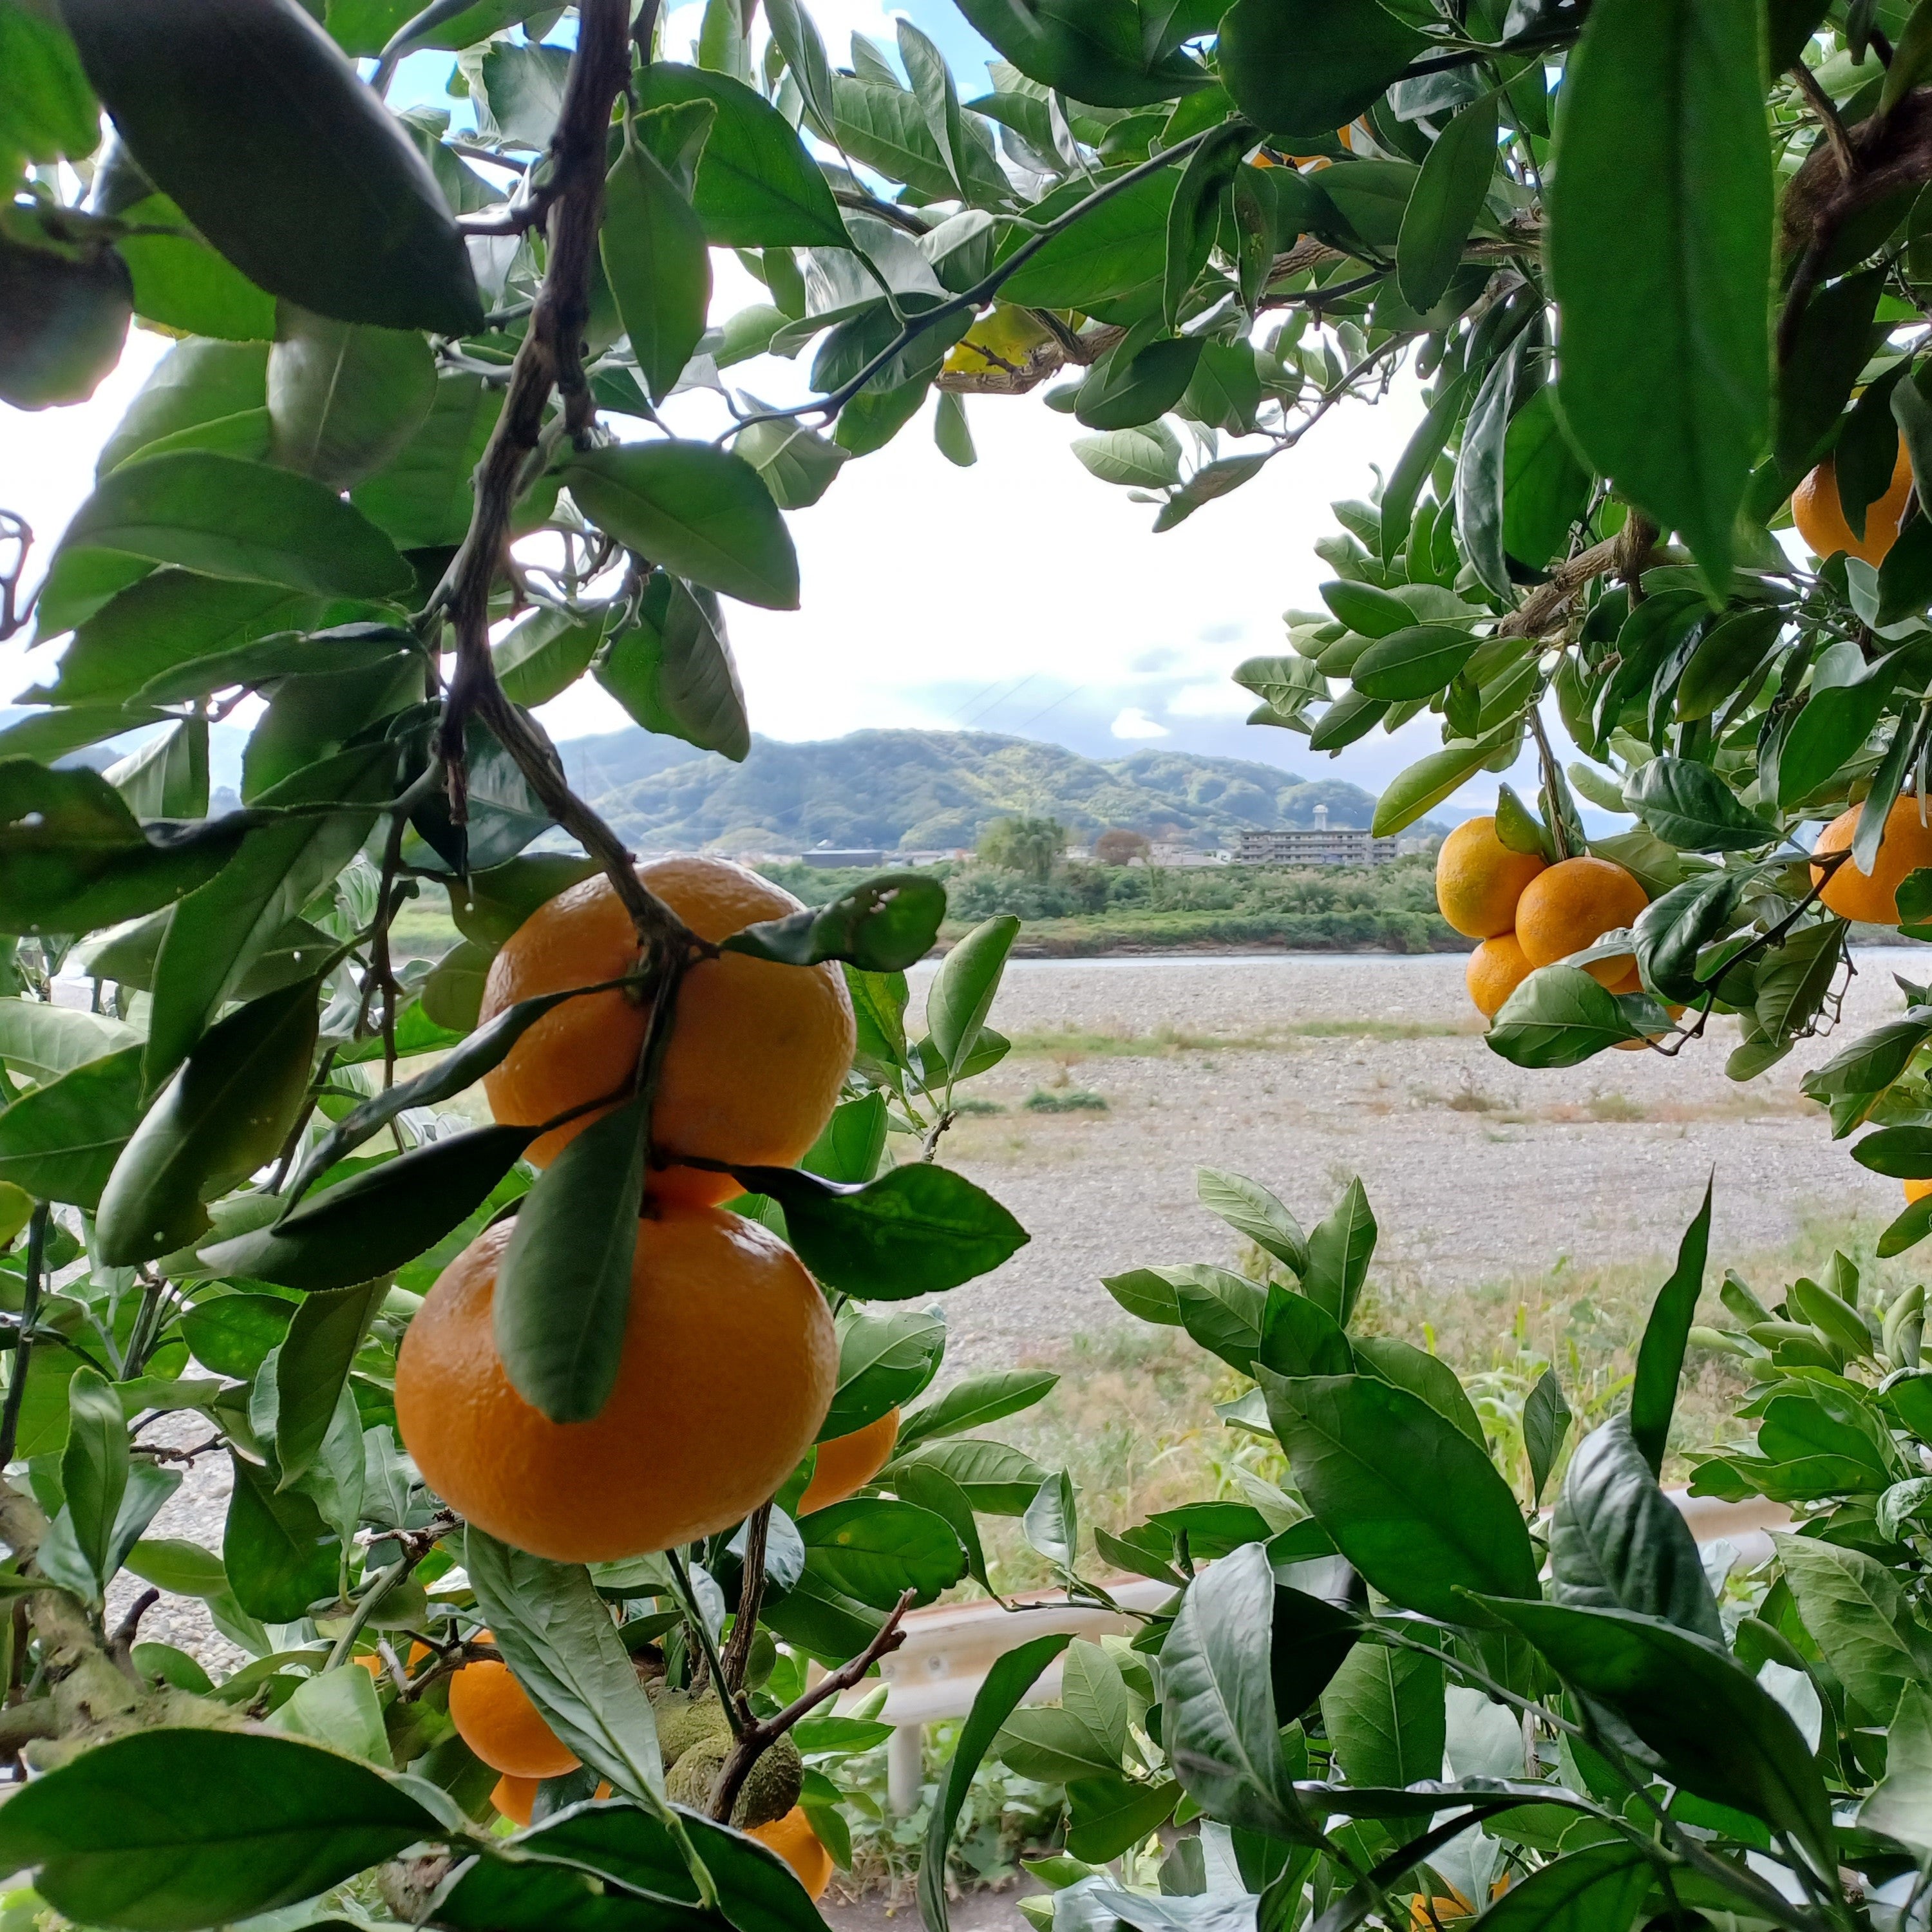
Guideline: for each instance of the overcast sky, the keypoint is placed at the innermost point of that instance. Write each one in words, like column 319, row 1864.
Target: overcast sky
column 1021, row 595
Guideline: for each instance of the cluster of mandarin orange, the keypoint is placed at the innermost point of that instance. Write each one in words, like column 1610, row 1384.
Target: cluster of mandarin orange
column 730, row 1357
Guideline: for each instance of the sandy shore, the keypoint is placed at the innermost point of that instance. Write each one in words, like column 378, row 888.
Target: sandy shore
column 1476, row 1170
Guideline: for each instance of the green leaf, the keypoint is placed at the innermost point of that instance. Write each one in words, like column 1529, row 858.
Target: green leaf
column 196, row 383
column 1666, row 382
column 1385, row 1714
column 1402, row 1364
column 654, row 249
column 1600, row 1888
column 1430, row 780
column 1687, row 805
column 1827, row 356
column 974, row 1402
column 1546, row 1422
column 1194, row 214
column 1109, row 1815
column 1856, row 1609
column 544, row 653
column 225, row 517
column 73, row 858
column 917, row 1230
column 166, row 1830
column 562, row 1299
column 312, row 1368
column 218, row 931
column 1136, row 384
column 43, row 1041
column 1339, row 1249
column 232, row 1333
column 1148, row 458
column 1306, row 67
column 556, row 1636
column 1901, row 1807
column 1672, row 931
column 1559, row 1016
column 1414, row 662
column 1251, row 1211
column 799, row 40
column 343, row 398
column 49, row 111
column 673, row 670
column 872, row 1549
column 60, row 1142
column 373, row 241
column 1219, row 1723
column 1660, row 1355
column 1416, row 1506
column 280, row 1556
column 1100, row 51
column 1119, row 249
column 1618, row 1543
column 374, row 1222
column 93, row 1469
column 1300, row 1337
column 181, row 282
column 423, row 497
column 798, row 465
column 997, row 1697
column 225, row 1112
column 698, row 512
column 962, row 991
column 1697, row 1714
column 882, row 925
column 1448, row 196
column 757, row 187
column 884, row 1361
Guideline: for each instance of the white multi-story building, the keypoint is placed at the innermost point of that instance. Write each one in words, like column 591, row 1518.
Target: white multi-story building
column 1322, row 845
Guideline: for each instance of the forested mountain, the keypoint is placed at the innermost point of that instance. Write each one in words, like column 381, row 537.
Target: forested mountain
column 920, row 790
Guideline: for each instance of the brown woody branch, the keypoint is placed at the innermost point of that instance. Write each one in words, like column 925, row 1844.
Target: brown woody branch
column 549, row 360
column 1627, row 555
column 751, row 1594
column 756, row 1738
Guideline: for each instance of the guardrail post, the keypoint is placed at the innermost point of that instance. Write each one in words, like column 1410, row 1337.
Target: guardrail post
column 905, row 1769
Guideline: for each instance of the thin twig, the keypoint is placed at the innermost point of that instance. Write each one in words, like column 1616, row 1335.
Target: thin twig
column 30, row 1310
column 751, row 1595
column 1821, row 104
column 758, row 1737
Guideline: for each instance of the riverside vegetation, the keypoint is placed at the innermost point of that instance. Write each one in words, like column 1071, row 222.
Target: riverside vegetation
column 1364, row 1689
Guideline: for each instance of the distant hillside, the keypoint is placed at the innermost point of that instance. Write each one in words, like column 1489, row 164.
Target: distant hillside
column 921, row 790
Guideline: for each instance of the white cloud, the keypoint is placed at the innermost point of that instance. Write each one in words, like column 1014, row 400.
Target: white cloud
column 1223, row 699
column 1135, row 723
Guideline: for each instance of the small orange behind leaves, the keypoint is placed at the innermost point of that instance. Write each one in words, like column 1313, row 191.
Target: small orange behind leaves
column 1819, row 512
column 847, row 1463
column 1917, row 1190
column 1572, row 905
column 494, row 1717
column 1479, row 880
column 1495, row 969
column 794, row 1841
column 1905, row 848
column 516, row 1798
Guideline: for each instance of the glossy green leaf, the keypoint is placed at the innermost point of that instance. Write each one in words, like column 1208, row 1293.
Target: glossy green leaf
column 49, row 111
column 1559, row 1016
column 884, row 1361
column 280, row 1556
column 1417, row 661
column 1659, row 1356
column 1309, row 67
column 1448, row 198
column 1124, row 391
column 1431, row 779
column 1339, row 1249
column 974, row 1402
column 424, row 495
column 198, row 382
column 1099, row 51
column 378, row 1219
column 563, row 1288
column 963, row 989
column 374, row 242
column 73, row 859
column 1416, row 1506
column 1117, row 250
column 756, row 186
column 60, row 1142
column 673, row 672
column 917, row 1230
column 1856, row 1609
column 698, row 512
column 1600, row 1888
column 166, row 1830
column 1666, row 380
column 882, row 925
column 224, row 518
column 1688, row 804
column 1384, row 1715
column 1546, row 1422
column 312, row 1365
column 1252, row 1211
column 872, row 1549
column 182, row 283
column 343, row 398
column 654, row 249
column 44, row 1041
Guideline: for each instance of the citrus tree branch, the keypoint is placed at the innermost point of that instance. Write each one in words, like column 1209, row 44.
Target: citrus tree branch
column 756, row 1738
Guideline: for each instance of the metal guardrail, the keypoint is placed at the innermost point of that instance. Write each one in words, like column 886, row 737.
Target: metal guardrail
column 937, row 1671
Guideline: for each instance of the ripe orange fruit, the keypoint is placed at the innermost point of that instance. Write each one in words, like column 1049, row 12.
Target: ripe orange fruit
column 1819, row 514
column 494, row 1717
column 1905, row 847
column 1495, row 969
column 753, row 1070
column 794, row 1841
column 847, row 1463
column 1572, row 905
column 1917, row 1190
column 1479, row 880
column 728, row 1367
